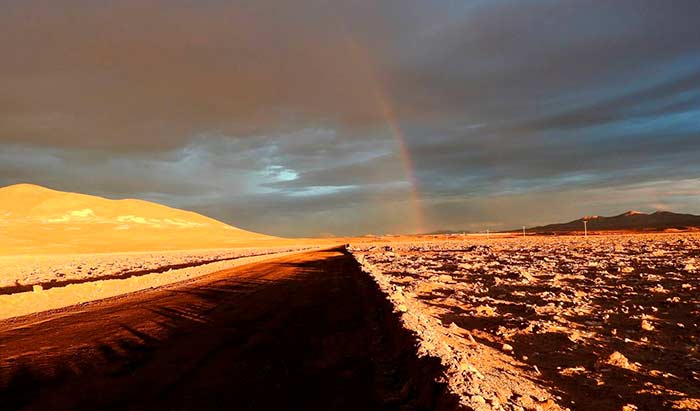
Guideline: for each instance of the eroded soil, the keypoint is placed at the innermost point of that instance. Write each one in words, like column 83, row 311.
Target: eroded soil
column 604, row 323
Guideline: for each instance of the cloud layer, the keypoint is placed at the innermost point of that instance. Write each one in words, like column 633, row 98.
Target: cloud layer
column 268, row 115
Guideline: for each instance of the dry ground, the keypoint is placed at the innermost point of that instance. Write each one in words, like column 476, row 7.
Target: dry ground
column 604, row 323
column 22, row 272
column 308, row 331
column 83, row 290
column 536, row 323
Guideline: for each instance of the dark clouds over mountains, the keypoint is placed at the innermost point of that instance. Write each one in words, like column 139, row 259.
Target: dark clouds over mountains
column 265, row 113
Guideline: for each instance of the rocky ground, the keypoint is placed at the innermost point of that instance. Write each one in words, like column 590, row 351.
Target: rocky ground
column 23, row 272
column 549, row 323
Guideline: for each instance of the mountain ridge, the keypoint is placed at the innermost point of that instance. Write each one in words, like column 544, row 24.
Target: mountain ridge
column 628, row 221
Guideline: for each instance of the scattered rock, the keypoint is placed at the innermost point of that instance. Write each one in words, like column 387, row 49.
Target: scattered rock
column 647, row 326
column 616, row 359
column 485, row 310
column 478, row 399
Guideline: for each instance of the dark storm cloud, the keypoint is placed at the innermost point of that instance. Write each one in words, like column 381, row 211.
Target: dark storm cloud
column 151, row 75
column 265, row 113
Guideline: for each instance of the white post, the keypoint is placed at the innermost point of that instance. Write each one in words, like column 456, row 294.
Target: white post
column 487, row 233
column 523, row 231
column 585, row 228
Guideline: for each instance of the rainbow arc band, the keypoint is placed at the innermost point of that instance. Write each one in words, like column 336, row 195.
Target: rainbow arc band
column 388, row 114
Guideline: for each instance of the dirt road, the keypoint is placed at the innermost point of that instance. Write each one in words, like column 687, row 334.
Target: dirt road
column 307, row 331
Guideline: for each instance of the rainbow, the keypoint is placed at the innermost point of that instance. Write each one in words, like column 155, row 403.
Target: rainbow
column 406, row 159
column 387, row 112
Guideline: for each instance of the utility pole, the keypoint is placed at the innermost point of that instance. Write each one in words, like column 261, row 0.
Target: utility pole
column 585, row 228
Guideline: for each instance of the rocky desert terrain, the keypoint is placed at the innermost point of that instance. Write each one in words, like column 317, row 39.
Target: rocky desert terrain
column 550, row 323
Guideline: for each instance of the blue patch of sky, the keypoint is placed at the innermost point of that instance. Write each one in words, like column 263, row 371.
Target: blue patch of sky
column 665, row 125
column 683, row 98
column 280, row 173
column 623, row 84
column 318, row 191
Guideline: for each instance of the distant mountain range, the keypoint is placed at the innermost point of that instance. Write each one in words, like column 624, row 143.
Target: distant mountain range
column 629, row 221
column 448, row 232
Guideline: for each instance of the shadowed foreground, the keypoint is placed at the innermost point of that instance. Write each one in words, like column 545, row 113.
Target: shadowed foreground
column 307, row 331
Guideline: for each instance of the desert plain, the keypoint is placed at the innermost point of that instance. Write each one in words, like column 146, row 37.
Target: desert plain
column 330, row 205
column 605, row 322
column 505, row 322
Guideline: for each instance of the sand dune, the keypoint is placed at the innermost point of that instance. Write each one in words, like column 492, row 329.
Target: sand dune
column 35, row 219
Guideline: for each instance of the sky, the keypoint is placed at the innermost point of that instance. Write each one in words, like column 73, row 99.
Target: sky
column 317, row 118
